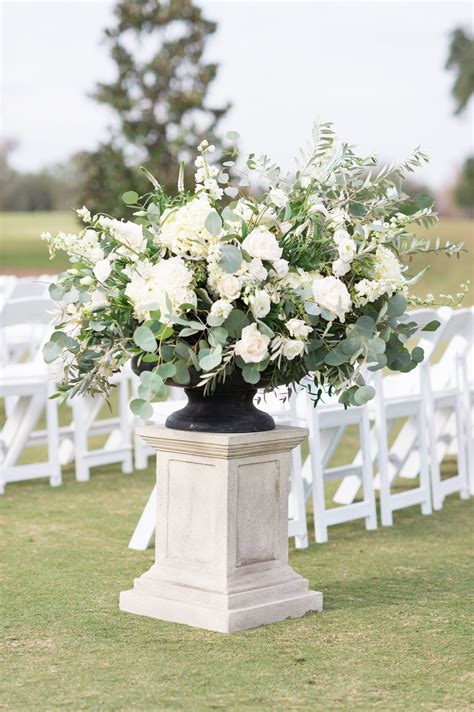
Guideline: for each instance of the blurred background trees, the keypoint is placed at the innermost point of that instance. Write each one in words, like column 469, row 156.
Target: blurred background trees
column 158, row 99
column 461, row 61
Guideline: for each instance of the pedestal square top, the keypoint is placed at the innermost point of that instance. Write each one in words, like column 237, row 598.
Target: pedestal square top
column 223, row 445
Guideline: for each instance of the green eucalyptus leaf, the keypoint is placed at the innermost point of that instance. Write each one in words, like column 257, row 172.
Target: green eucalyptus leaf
column 166, row 370
column 396, row 305
column 250, row 374
column 130, row 197
column 417, row 354
column 230, row 259
column 363, row 394
column 182, row 375
column 432, row 325
column 235, row 322
column 213, row 223
column 141, row 408
column 144, row 339
column 51, row 351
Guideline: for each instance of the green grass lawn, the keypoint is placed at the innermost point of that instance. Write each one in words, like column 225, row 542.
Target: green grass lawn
column 394, row 634
column 22, row 251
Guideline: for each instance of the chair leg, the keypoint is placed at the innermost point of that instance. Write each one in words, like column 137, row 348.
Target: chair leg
column 127, row 464
column 367, row 471
column 80, row 439
column 52, row 424
column 462, row 449
column 319, row 504
column 426, row 506
column 297, row 487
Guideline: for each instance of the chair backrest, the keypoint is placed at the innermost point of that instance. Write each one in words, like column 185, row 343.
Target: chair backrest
column 455, row 337
column 29, row 310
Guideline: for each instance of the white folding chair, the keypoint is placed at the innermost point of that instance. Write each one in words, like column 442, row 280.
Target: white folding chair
column 327, row 425
column 29, row 390
column 448, row 413
column 87, row 424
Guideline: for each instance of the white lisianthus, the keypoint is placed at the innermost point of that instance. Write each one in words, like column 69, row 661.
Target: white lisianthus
column 183, row 230
column 297, row 279
column 278, row 197
column 340, row 235
column 221, row 309
column 298, row 328
column 331, row 294
column 102, row 270
column 261, row 243
column 291, row 348
column 97, row 300
column 281, row 268
column 347, row 249
column 153, row 283
column 259, row 304
column 252, row 346
column 339, row 267
column 228, row 286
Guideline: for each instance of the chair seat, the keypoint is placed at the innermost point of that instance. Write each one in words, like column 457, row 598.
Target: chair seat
column 23, row 377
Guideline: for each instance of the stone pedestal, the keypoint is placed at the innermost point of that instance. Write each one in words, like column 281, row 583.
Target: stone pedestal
column 222, row 532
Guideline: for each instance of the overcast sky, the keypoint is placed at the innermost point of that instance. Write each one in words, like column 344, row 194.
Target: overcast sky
column 376, row 69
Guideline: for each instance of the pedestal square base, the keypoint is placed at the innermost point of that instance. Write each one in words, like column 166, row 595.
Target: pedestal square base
column 219, row 619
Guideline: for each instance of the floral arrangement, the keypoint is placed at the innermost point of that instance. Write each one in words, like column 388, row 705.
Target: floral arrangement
column 274, row 277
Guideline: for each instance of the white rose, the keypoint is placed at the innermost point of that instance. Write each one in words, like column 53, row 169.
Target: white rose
column 278, row 197
column 228, row 287
column 102, row 270
column 259, row 304
column 261, row 243
column 291, row 348
column 298, row 328
column 331, row 294
column 281, row 268
column 253, row 346
column 339, row 268
column 347, row 249
column 221, row 309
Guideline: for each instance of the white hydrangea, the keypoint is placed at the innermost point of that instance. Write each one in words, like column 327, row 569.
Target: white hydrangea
column 253, row 271
column 183, row 230
column 387, row 266
column 259, row 303
column 153, row 283
column 221, row 309
column 128, row 234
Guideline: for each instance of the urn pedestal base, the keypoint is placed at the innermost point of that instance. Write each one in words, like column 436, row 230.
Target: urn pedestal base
column 222, row 532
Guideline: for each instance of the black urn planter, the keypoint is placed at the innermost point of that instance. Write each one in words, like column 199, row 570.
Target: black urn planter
column 228, row 409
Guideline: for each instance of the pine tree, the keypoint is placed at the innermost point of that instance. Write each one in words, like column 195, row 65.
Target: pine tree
column 158, row 98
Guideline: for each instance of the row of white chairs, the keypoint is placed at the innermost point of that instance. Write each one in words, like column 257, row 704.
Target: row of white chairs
column 433, row 404
column 415, row 421
column 26, row 387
